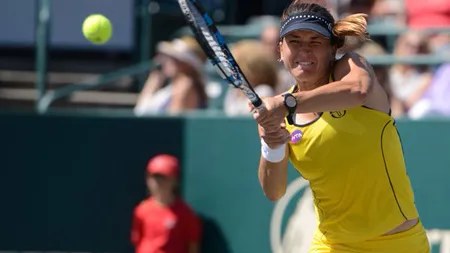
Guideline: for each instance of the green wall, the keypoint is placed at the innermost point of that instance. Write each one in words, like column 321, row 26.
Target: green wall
column 228, row 191
column 69, row 183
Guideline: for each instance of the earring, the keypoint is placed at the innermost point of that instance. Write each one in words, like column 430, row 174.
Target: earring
column 280, row 60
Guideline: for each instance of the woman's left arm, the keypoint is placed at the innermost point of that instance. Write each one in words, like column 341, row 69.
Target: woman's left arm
column 356, row 85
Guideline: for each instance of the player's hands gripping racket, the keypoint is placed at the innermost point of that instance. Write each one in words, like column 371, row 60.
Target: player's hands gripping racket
column 212, row 42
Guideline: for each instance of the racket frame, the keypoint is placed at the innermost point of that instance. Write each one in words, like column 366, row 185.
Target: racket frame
column 237, row 79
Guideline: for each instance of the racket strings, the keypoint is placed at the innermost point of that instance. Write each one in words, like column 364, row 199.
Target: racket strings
column 220, row 60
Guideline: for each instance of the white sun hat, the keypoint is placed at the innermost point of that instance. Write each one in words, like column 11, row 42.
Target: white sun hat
column 184, row 50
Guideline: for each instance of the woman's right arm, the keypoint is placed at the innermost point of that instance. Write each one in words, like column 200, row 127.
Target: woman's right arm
column 273, row 177
column 273, row 164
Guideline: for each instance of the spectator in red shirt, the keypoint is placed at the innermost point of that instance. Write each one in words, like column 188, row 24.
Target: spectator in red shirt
column 164, row 223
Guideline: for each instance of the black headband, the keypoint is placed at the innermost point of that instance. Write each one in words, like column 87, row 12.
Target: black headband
column 307, row 21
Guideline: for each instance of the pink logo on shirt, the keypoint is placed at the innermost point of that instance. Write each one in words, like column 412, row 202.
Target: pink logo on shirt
column 296, row 136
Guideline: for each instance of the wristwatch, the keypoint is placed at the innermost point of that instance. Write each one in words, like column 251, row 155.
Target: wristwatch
column 291, row 105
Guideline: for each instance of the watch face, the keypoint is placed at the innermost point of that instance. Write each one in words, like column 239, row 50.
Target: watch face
column 291, row 101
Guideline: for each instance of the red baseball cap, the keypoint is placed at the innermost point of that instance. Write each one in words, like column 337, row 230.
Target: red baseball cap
column 163, row 164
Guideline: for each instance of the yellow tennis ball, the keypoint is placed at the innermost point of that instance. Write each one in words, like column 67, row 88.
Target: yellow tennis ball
column 97, row 29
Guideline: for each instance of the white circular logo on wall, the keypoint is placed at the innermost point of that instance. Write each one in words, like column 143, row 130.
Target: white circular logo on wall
column 301, row 224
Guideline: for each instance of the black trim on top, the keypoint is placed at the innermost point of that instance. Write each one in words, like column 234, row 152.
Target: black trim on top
column 403, row 151
column 387, row 171
column 399, row 137
column 308, row 123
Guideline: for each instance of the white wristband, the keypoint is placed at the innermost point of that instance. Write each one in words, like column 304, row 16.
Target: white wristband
column 273, row 155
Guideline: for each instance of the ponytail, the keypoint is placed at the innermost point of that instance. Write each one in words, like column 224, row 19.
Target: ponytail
column 353, row 27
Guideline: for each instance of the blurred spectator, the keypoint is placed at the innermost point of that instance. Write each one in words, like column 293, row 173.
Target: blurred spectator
column 178, row 85
column 426, row 14
column 408, row 82
column 435, row 100
column 333, row 7
column 270, row 39
column 379, row 11
column 388, row 12
column 371, row 48
column 261, row 72
column 439, row 43
column 164, row 223
column 359, row 6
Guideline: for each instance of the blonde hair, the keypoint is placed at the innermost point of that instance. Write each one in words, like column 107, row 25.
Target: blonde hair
column 255, row 63
column 350, row 29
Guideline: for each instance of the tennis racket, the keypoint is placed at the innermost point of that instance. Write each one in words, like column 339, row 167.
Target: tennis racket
column 212, row 42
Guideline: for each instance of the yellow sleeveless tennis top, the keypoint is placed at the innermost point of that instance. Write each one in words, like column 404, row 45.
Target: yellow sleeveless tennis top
column 353, row 160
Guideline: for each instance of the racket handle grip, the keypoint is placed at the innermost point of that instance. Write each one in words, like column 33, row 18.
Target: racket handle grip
column 289, row 118
column 258, row 106
column 258, row 103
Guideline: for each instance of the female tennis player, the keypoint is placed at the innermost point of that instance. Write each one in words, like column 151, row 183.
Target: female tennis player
column 340, row 136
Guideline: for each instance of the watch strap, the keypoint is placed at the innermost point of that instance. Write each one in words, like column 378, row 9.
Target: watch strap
column 291, row 110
